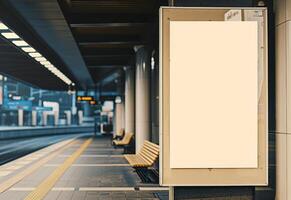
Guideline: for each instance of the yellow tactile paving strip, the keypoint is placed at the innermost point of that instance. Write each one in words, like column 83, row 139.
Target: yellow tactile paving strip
column 19, row 176
column 41, row 191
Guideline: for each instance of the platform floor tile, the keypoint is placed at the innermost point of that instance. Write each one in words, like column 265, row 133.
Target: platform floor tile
column 100, row 172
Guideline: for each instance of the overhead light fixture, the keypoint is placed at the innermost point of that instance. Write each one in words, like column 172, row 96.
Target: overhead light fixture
column 118, row 100
column 54, row 70
column 24, row 46
column 20, row 43
column 35, row 54
column 3, row 26
column 28, row 49
column 39, row 59
column 45, row 62
column 10, row 35
column 51, row 68
column 48, row 65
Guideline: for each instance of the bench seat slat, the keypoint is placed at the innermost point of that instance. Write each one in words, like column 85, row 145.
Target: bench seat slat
column 150, row 150
column 146, row 157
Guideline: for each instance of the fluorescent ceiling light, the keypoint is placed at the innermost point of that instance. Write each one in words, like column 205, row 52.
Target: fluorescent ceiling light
column 19, row 43
column 51, row 68
column 39, row 59
column 28, row 49
column 10, row 35
column 45, row 62
column 35, row 54
column 3, row 26
column 57, row 73
column 49, row 65
column 54, row 70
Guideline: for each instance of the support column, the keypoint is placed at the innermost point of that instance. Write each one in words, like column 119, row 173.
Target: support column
column 80, row 117
column 123, row 115
column 44, row 118
column 283, row 100
column 142, row 96
column 68, row 117
column 118, row 115
column 56, row 118
column 129, row 100
column 34, row 118
column 20, row 117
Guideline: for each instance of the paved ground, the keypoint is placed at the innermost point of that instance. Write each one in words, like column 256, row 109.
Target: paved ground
column 12, row 149
column 75, row 169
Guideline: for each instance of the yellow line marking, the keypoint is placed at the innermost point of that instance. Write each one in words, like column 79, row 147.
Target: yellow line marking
column 18, row 177
column 33, row 188
column 42, row 189
column 22, row 189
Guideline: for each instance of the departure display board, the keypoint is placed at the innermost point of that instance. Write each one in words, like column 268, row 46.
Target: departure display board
column 85, row 98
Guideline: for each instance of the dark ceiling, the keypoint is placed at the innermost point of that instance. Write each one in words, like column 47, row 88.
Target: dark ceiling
column 89, row 40
column 107, row 30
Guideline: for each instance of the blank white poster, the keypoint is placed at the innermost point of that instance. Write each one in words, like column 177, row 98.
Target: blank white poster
column 213, row 94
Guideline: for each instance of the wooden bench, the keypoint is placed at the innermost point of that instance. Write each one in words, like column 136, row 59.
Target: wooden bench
column 125, row 140
column 119, row 135
column 146, row 158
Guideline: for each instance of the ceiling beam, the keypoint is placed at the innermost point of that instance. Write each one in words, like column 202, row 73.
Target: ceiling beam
column 110, row 25
column 115, row 56
column 114, row 6
column 96, row 17
column 124, row 44
column 83, row 37
column 106, row 51
column 105, row 66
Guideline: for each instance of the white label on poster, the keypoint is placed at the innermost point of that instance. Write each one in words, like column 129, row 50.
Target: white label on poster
column 233, row 15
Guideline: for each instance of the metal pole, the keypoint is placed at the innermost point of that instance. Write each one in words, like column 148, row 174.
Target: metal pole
column 171, row 193
column 171, row 2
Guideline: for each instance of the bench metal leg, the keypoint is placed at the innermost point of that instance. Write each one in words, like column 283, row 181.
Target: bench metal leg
column 143, row 173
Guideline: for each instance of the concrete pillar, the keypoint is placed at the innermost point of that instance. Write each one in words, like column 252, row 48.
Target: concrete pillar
column 20, row 117
column 44, row 118
column 283, row 100
column 129, row 100
column 80, row 117
column 142, row 96
column 68, row 117
column 123, row 115
column 34, row 118
column 118, row 115
column 56, row 118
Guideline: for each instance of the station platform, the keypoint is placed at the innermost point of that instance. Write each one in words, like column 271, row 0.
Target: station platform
column 79, row 168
